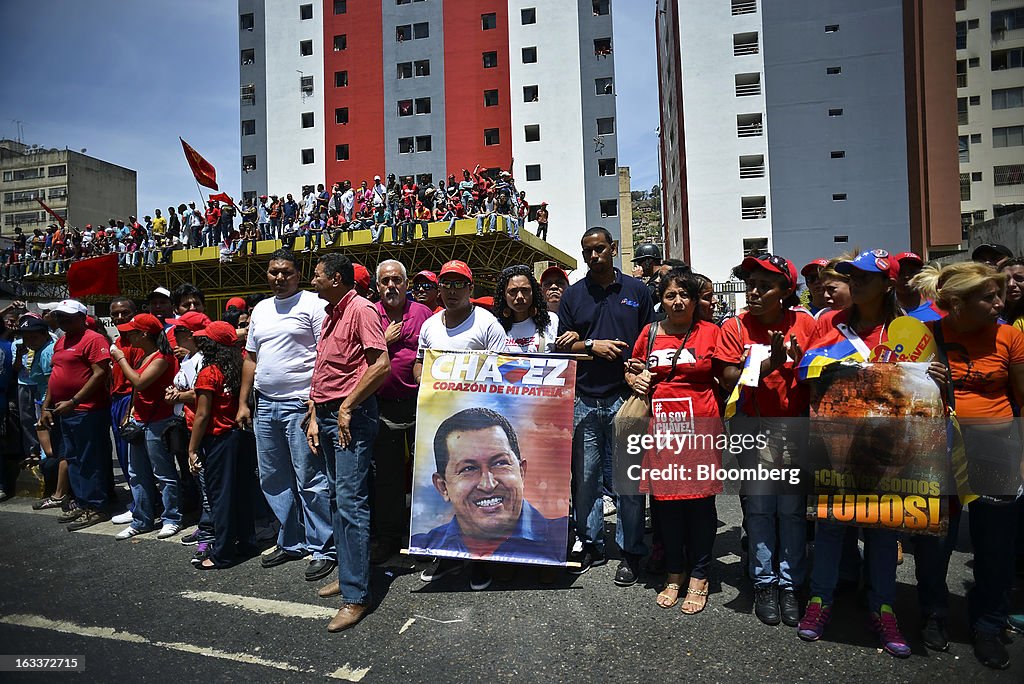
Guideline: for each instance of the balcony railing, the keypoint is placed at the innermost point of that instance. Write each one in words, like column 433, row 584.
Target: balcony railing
column 749, row 130
column 746, row 48
column 1009, row 190
column 754, row 212
column 752, row 171
column 961, row 118
column 961, row 80
column 744, row 7
column 745, row 89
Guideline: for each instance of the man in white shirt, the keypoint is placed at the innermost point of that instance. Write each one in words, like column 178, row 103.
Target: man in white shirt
column 380, row 193
column 348, row 202
column 281, row 351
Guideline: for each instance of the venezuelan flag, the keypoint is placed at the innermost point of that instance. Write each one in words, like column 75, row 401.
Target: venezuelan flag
column 817, row 358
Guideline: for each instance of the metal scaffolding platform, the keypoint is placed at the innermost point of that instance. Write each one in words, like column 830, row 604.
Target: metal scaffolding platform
column 487, row 255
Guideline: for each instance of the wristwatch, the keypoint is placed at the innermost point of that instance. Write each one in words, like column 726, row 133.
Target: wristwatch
column 588, row 344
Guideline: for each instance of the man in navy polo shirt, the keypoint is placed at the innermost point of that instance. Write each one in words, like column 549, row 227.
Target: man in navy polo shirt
column 607, row 310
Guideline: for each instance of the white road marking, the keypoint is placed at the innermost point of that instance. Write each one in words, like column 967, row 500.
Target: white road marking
column 263, row 606
column 23, row 506
column 443, row 622
column 407, row 625
column 349, row 673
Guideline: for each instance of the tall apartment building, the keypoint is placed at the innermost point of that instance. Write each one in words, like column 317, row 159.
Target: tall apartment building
column 805, row 128
column 79, row 188
column 990, row 107
column 337, row 90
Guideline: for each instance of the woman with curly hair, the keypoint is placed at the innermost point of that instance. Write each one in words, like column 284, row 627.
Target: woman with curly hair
column 523, row 313
column 219, row 448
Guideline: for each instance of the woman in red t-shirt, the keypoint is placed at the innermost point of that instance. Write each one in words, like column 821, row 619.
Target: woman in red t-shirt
column 775, row 330
column 219, row 448
column 150, row 462
column 675, row 368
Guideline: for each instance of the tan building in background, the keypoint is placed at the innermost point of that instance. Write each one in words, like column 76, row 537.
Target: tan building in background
column 625, row 219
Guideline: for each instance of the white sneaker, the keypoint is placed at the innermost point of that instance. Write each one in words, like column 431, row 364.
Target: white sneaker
column 168, row 530
column 123, row 518
column 127, row 533
column 609, row 505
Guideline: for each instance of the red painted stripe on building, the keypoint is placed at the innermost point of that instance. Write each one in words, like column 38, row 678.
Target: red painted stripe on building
column 466, row 79
column 364, row 95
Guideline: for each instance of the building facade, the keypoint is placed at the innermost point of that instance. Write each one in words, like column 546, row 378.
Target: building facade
column 79, row 188
column 337, row 90
column 990, row 108
column 805, row 128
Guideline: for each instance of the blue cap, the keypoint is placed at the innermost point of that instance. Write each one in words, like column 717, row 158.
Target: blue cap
column 872, row 261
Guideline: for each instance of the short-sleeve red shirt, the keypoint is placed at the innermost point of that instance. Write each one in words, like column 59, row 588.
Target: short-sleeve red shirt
column 119, row 384
column 73, row 356
column 224, row 407
column 350, row 328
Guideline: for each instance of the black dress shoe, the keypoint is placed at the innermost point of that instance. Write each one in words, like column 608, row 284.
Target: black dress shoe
column 990, row 652
column 319, row 568
column 628, row 571
column 789, row 607
column 933, row 633
column 278, row 557
column 766, row 605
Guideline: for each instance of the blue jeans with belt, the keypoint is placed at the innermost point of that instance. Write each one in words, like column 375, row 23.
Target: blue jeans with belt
column 151, row 468
column 86, row 448
column 348, row 471
column 879, row 554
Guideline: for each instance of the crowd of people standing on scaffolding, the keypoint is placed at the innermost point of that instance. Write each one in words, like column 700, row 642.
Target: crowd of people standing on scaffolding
column 394, row 208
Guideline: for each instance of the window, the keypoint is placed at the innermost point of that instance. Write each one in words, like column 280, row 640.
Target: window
column 340, row 6
column 833, row 70
column 533, row 172
column 1008, row 19
column 405, row 108
column 1007, row 59
column 421, row 67
column 601, row 7
column 603, row 86
column 532, row 133
column 973, row 62
column 529, row 55
column 488, row 21
column 249, row 127
column 606, row 167
column 340, row 79
column 247, row 22
column 305, row 48
column 490, row 60
column 248, row 92
column 744, row 44
column 403, row 33
column 837, row 111
column 340, row 42
column 248, row 57
column 972, row 24
column 602, row 47
column 491, row 136
column 531, row 93
column 753, row 208
column 423, row 143
column 341, row 115
column 840, row 239
column 752, row 166
column 305, row 12
column 606, row 125
column 749, row 125
column 961, row 73
column 961, row 5
column 975, row 176
column 402, row 2
column 964, row 149
column 405, row 70
column 59, row 170
column 306, row 84
column 838, row 154
column 961, row 35
column 55, row 193
column 1008, row 98
column 961, row 111
column 307, row 155
column 609, row 207
column 831, row 28
column 341, row 153
column 965, row 187
column 406, row 146
column 748, row 84
column 424, row 179
column 755, row 247
column 422, row 105
column 1008, row 136
column 249, row 163
column 307, row 119
column 421, row 30
column 528, row 15
column 975, row 100
column 838, row 196
column 1012, row 174
column 490, row 98
column 975, row 138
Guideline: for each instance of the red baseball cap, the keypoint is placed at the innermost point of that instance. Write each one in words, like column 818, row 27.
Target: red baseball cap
column 221, row 332
column 554, row 270
column 458, row 268
column 193, row 320
column 238, row 303
column 426, row 275
column 770, row 262
column 813, row 267
column 362, row 276
column 143, row 322
column 483, row 302
column 910, row 256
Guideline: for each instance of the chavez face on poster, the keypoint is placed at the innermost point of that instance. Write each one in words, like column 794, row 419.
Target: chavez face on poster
column 877, row 447
column 493, row 453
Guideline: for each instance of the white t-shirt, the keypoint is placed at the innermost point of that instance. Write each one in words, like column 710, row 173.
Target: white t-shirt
column 524, row 336
column 185, row 378
column 481, row 331
column 283, row 333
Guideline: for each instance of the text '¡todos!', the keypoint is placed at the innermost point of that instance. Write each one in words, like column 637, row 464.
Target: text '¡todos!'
column 496, row 369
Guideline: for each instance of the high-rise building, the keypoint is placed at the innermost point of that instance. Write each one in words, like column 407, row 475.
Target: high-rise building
column 990, row 107
column 79, row 188
column 806, row 128
column 336, row 90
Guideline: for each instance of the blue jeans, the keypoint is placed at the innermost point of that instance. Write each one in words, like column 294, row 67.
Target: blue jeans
column 86, row 448
column 492, row 220
column 592, row 445
column 118, row 408
column 293, row 479
column 151, row 468
column 377, row 231
column 788, row 547
column 348, row 471
column 879, row 554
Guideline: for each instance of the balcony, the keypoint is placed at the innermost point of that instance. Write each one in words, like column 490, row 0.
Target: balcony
column 752, row 208
column 744, row 7
column 961, row 80
column 749, row 125
column 745, row 44
column 752, row 166
column 961, row 117
column 748, row 84
column 248, row 94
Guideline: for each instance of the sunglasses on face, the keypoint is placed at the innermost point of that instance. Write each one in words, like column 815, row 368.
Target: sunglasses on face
column 423, row 287
column 455, row 284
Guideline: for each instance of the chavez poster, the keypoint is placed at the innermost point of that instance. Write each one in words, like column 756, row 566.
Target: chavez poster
column 877, row 447
column 491, row 477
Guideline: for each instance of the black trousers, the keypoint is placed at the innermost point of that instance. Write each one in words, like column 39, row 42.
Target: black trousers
column 688, row 528
column 396, row 435
column 228, row 471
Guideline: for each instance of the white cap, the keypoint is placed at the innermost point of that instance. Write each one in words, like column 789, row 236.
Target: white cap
column 162, row 291
column 47, row 306
column 71, row 307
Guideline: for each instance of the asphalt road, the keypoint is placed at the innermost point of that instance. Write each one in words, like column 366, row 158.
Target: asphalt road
column 137, row 611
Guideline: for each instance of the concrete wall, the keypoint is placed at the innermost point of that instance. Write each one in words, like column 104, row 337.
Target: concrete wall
column 1006, row 230
column 255, row 73
column 98, row 190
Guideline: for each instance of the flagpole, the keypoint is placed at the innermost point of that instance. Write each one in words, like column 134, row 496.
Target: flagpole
column 202, row 198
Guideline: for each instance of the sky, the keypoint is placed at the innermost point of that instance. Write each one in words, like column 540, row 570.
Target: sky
column 124, row 78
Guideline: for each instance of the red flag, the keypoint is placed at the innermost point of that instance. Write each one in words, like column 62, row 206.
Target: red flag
column 51, row 212
column 222, row 197
column 95, row 276
column 203, row 170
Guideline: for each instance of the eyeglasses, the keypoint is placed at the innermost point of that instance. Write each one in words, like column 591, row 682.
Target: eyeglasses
column 455, row 284
column 776, row 261
column 423, row 287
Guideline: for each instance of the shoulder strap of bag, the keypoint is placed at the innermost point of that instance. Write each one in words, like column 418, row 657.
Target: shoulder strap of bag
column 652, row 332
column 682, row 345
column 940, row 344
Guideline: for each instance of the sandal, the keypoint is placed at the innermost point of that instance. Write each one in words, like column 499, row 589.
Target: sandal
column 663, row 597
column 700, row 606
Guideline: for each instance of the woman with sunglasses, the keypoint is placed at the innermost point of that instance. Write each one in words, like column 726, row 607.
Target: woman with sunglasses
column 774, row 515
column 523, row 312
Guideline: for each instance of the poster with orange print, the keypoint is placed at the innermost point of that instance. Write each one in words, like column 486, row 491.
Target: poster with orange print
column 493, row 456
